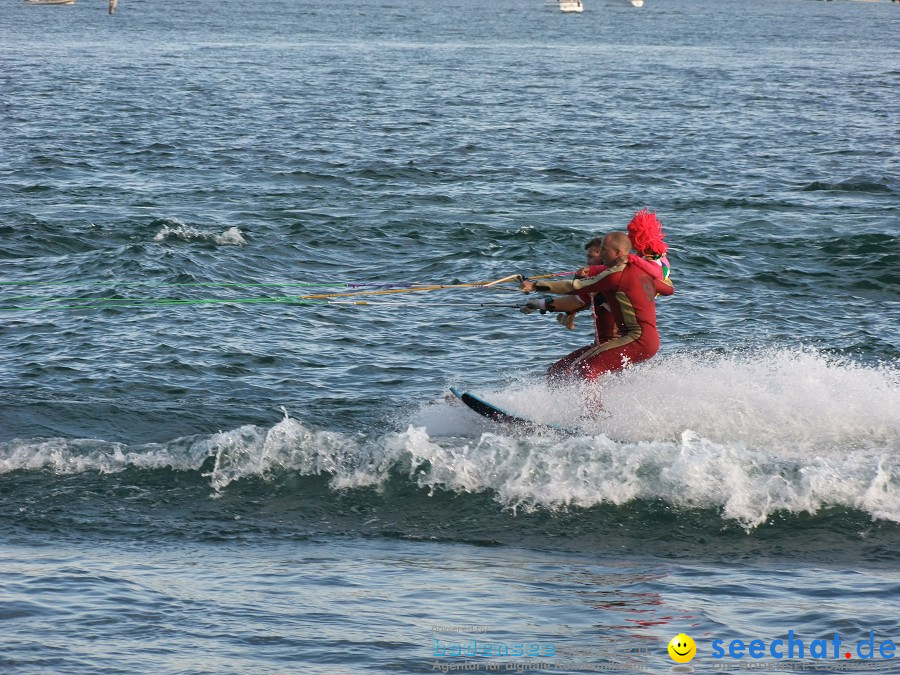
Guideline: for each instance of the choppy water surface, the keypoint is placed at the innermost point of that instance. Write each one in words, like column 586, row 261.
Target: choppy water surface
column 190, row 455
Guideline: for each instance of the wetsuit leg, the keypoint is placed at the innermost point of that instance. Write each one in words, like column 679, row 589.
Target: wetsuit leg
column 561, row 371
column 591, row 366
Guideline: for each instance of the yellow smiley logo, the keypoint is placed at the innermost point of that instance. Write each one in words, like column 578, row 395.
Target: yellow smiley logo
column 682, row 648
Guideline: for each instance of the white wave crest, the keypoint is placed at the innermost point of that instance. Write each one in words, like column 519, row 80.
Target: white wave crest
column 526, row 473
column 749, row 437
column 178, row 230
column 69, row 456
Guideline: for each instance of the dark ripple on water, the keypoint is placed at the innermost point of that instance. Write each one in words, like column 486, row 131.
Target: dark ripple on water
column 171, row 504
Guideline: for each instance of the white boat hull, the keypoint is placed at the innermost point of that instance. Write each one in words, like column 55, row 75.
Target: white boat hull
column 571, row 6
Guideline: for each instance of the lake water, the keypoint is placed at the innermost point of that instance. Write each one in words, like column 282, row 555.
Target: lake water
column 201, row 473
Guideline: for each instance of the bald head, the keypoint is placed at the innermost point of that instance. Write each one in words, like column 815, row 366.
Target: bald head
column 615, row 246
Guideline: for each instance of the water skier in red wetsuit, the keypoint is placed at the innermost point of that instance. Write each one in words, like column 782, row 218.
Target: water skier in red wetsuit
column 646, row 235
column 629, row 291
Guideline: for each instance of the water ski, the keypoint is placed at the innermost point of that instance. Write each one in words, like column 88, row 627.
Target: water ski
column 501, row 416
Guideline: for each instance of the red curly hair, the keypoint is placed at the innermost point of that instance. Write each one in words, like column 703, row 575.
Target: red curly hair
column 645, row 232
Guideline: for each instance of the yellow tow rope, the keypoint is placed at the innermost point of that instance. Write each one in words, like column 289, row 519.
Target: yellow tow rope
column 418, row 289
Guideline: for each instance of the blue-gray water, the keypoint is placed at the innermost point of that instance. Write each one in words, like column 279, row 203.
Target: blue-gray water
column 198, row 475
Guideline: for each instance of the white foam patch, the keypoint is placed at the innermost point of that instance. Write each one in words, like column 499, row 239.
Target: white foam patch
column 289, row 445
column 792, row 402
column 68, row 456
column 179, row 231
column 749, row 434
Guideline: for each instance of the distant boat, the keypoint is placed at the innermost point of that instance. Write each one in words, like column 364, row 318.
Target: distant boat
column 637, row 3
column 50, row 2
column 570, row 6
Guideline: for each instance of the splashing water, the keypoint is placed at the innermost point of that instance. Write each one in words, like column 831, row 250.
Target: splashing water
column 746, row 435
column 180, row 231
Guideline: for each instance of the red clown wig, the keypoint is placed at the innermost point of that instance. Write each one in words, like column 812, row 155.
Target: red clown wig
column 645, row 232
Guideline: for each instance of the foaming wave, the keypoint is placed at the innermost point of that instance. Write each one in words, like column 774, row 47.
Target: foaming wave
column 175, row 229
column 521, row 473
column 747, row 436
column 748, row 485
column 693, row 472
column 69, row 456
column 793, row 403
column 788, row 402
column 291, row 446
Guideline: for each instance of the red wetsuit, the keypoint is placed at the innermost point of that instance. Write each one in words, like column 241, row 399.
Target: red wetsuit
column 630, row 293
column 605, row 327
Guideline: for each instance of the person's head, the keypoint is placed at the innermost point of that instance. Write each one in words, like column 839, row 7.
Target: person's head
column 592, row 249
column 614, row 246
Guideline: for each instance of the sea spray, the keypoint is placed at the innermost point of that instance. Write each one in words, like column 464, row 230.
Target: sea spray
column 698, row 434
column 174, row 229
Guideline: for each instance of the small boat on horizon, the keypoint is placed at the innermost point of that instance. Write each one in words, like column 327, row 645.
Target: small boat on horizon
column 50, row 2
column 571, row 6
